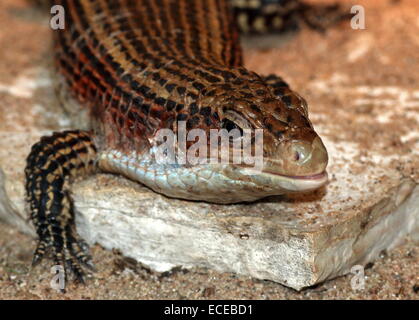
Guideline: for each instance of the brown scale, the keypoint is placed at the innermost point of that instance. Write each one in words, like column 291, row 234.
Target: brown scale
column 139, row 66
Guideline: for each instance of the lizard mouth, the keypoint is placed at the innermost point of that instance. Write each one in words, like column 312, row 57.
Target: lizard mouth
column 299, row 183
column 289, row 183
column 318, row 176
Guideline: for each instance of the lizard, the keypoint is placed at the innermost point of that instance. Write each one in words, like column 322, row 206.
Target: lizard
column 130, row 68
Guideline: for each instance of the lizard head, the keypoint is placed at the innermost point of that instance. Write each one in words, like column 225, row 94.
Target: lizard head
column 269, row 124
column 291, row 147
column 292, row 155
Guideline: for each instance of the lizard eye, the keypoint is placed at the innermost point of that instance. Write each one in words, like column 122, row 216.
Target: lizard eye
column 234, row 120
column 230, row 125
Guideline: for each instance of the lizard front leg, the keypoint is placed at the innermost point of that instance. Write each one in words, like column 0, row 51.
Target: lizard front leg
column 51, row 165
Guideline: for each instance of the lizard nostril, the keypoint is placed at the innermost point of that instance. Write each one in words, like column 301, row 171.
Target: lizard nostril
column 308, row 158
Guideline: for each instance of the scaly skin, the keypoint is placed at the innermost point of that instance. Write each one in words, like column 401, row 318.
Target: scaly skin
column 135, row 67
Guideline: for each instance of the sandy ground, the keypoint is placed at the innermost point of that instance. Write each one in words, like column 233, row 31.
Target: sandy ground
column 386, row 54
column 393, row 276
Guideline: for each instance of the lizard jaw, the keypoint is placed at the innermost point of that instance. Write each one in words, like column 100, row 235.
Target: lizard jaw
column 290, row 183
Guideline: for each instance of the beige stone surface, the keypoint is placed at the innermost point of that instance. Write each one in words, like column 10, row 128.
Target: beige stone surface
column 364, row 103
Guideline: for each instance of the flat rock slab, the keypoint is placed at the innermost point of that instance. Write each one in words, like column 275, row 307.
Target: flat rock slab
column 368, row 123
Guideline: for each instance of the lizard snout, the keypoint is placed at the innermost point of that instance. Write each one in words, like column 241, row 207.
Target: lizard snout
column 308, row 158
